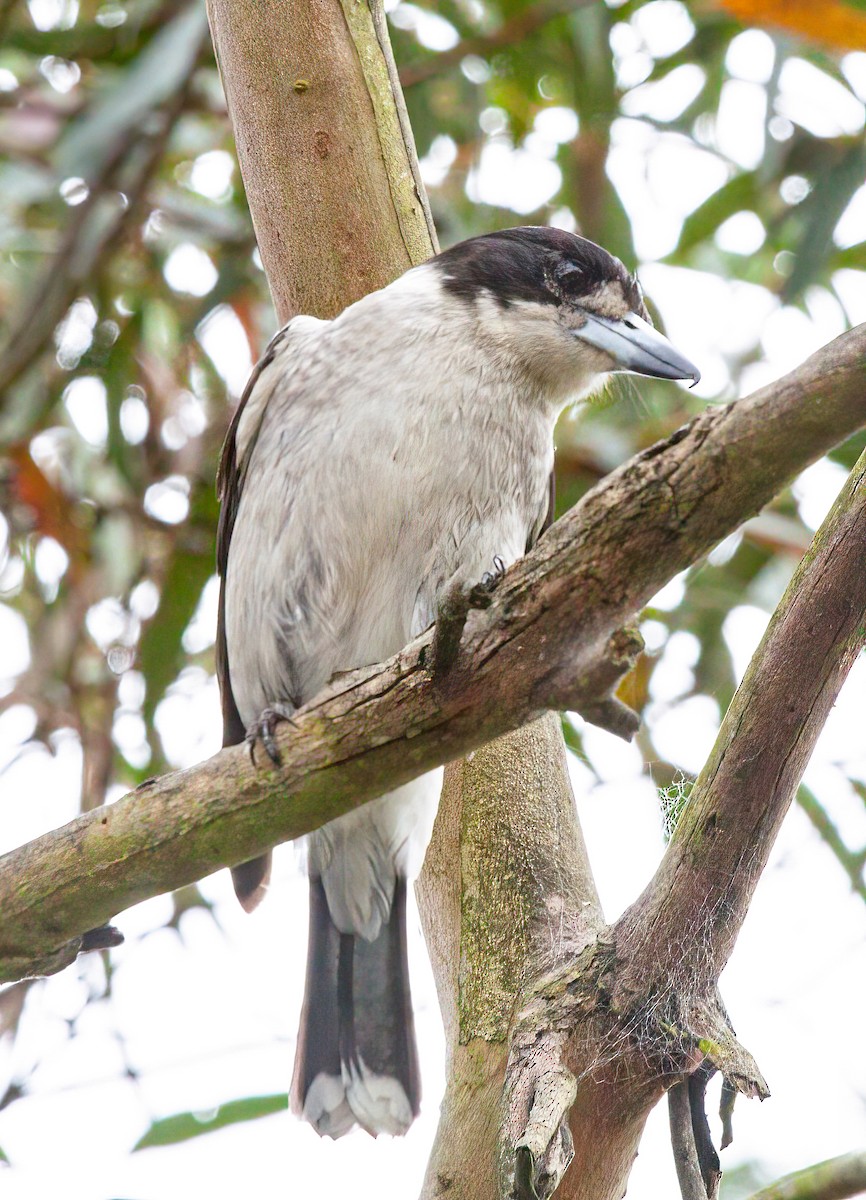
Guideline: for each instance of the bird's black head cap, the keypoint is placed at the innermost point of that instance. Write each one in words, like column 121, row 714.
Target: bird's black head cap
column 534, row 263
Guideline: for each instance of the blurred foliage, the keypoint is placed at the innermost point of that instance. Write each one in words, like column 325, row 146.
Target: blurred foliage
column 131, row 294
column 182, row 1126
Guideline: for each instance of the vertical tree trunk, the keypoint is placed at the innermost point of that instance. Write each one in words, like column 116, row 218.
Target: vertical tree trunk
column 324, row 148
column 506, row 887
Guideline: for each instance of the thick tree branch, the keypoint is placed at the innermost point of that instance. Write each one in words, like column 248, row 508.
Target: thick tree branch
column 522, row 895
column 728, row 828
column 551, row 639
column 640, row 1005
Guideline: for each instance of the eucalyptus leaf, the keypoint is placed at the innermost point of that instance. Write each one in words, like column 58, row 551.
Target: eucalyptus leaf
column 168, row 1131
column 118, row 111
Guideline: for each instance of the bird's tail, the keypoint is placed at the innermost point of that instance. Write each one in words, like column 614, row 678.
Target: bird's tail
column 356, row 1059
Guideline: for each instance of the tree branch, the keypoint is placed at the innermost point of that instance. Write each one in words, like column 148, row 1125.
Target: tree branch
column 640, row 1005
column 726, row 832
column 835, row 1179
column 852, row 862
column 552, row 638
column 695, row 1157
column 688, row 1168
column 511, row 31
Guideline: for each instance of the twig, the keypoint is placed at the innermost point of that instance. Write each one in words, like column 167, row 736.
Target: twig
column 692, row 1185
column 851, row 862
column 511, row 31
column 834, row 1179
column 727, row 1100
column 708, row 1159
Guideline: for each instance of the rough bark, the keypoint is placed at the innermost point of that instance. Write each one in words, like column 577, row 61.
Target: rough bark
column 552, row 638
column 523, row 897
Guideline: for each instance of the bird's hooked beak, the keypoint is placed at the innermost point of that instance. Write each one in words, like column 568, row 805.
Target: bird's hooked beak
column 635, row 346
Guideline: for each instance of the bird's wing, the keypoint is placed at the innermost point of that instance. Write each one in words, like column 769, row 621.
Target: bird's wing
column 230, row 478
column 547, row 515
column 550, row 515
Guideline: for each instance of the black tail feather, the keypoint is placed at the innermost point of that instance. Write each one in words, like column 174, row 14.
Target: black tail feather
column 384, row 1026
column 356, row 1023
column 346, row 1000
column 318, row 1047
column 251, row 880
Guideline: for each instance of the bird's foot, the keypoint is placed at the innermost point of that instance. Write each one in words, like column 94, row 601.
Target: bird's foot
column 481, row 595
column 453, row 607
column 262, row 730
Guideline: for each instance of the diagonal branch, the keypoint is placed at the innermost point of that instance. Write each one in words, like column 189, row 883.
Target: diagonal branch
column 553, row 638
column 852, row 862
column 511, row 31
column 646, row 989
column 736, row 807
column 833, row 1179
column 92, row 233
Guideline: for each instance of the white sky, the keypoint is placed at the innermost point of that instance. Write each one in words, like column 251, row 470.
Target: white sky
column 211, row 1015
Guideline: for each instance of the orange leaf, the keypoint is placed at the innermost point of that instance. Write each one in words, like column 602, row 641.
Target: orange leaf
column 53, row 513
column 828, row 22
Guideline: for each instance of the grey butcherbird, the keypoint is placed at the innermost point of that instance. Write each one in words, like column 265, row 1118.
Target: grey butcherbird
column 375, row 461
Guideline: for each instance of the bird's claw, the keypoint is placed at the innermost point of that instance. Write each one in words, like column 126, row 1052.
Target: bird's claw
column 262, row 730
column 481, row 595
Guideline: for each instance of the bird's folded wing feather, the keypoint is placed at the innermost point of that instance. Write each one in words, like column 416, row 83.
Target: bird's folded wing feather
column 230, row 478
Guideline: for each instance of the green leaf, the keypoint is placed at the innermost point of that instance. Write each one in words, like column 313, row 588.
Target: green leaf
column 183, row 1126
column 161, row 653
column 574, row 742
column 738, row 193
column 157, row 73
column 821, row 211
